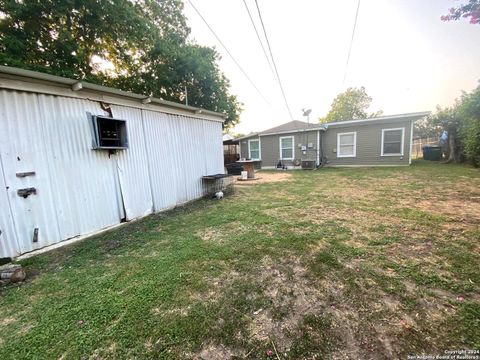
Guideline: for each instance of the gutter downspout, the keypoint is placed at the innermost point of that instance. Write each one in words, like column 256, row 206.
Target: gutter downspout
column 411, row 143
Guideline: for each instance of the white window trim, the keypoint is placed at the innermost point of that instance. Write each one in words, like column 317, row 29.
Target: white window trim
column 402, row 143
column 354, row 133
column 259, row 149
column 293, row 146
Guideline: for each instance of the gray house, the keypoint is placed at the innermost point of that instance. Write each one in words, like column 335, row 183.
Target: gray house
column 380, row 141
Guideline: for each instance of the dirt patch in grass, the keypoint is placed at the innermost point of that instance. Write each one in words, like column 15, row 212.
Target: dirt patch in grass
column 462, row 210
column 7, row 321
column 267, row 177
column 222, row 233
column 214, row 352
column 292, row 296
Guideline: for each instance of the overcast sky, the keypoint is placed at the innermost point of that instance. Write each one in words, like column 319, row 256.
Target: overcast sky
column 407, row 59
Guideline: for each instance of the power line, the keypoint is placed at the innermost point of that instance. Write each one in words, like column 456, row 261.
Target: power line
column 273, row 60
column 259, row 39
column 229, row 53
column 351, row 43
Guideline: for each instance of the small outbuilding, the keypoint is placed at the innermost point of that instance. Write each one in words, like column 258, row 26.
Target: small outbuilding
column 379, row 141
column 76, row 158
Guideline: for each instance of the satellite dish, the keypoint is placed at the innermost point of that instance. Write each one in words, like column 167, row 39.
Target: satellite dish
column 306, row 112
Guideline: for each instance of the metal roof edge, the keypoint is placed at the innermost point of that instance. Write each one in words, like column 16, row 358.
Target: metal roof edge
column 247, row 136
column 293, row 131
column 419, row 114
column 103, row 89
column 324, row 126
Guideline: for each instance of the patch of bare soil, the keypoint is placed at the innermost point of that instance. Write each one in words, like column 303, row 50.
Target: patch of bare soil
column 287, row 287
column 7, row 321
column 217, row 287
column 214, row 352
column 463, row 210
column 267, row 177
column 221, row 233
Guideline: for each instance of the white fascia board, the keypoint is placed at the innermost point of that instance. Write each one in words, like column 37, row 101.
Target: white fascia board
column 413, row 116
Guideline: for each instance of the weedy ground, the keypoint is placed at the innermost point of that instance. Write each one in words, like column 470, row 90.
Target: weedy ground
column 370, row 263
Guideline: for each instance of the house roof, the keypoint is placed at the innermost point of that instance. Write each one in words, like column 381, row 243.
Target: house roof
column 291, row 126
column 406, row 116
column 294, row 125
column 300, row 126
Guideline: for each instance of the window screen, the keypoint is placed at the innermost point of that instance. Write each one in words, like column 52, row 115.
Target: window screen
column 392, row 142
column 254, row 149
column 286, row 148
column 346, row 146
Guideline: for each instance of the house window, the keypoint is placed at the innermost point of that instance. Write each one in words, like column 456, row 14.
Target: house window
column 347, row 144
column 286, row 148
column 392, row 142
column 254, row 149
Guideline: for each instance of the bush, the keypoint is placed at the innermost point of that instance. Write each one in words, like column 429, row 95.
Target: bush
column 469, row 113
column 471, row 141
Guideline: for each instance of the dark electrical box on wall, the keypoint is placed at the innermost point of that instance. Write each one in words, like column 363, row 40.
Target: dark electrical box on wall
column 109, row 133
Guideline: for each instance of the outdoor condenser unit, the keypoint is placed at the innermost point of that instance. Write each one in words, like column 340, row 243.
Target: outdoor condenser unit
column 308, row 164
column 109, row 133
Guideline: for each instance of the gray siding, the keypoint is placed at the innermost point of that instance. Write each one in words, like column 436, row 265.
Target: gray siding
column 244, row 147
column 369, row 143
column 271, row 147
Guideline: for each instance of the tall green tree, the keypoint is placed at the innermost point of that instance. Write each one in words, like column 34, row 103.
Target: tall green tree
column 447, row 119
column 462, row 122
column 469, row 112
column 350, row 105
column 146, row 42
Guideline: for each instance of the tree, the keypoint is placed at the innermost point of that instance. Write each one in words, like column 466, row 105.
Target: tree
column 425, row 128
column 469, row 10
column 462, row 122
column 469, row 112
column 145, row 42
column 448, row 120
column 349, row 105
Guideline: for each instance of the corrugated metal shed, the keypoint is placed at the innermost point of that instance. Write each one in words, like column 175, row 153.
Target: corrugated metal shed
column 46, row 144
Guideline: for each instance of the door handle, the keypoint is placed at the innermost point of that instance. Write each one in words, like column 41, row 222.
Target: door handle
column 26, row 192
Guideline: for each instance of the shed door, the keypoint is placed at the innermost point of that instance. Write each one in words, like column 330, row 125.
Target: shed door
column 25, row 169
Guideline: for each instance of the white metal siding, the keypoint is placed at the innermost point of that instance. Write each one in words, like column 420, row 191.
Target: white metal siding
column 84, row 189
column 133, row 165
column 23, row 149
column 80, row 190
column 179, row 154
column 8, row 237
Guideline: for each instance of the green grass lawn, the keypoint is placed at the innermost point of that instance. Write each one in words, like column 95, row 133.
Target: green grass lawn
column 337, row 263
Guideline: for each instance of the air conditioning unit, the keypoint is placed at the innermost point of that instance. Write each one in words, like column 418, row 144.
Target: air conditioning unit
column 308, row 164
column 109, row 133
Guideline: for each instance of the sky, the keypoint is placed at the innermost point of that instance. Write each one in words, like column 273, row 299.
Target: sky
column 405, row 56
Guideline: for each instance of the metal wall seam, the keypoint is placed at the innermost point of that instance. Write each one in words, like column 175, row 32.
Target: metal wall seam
column 133, row 165
column 159, row 149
